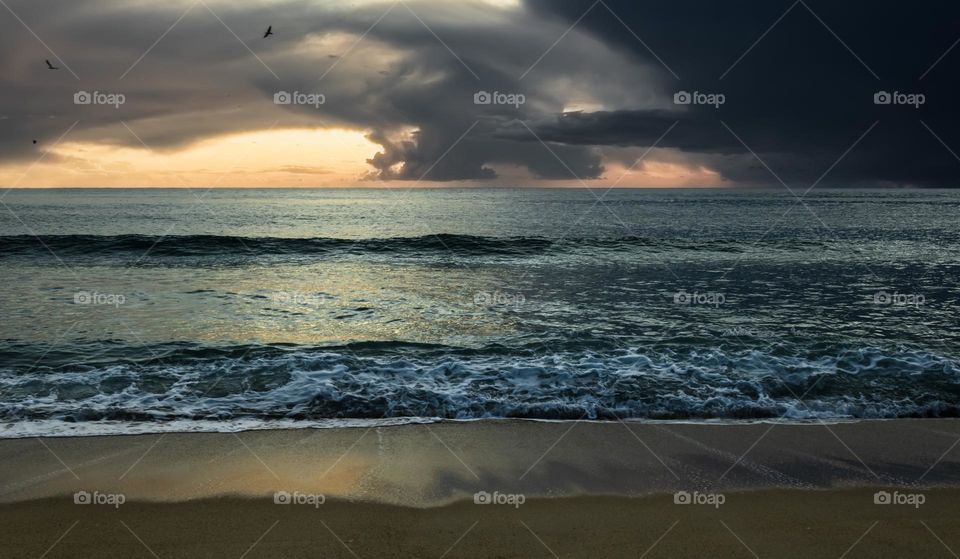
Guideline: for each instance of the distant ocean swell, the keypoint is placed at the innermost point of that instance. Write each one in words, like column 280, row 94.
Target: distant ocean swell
column 389, row 380
column 212, row 245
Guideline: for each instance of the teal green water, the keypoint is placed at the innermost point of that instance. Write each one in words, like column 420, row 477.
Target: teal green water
column 165, row 307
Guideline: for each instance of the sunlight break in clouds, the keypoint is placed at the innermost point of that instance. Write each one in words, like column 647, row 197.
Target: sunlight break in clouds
column 276, row 158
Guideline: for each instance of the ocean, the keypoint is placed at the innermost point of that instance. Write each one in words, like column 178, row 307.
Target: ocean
column 155, row 310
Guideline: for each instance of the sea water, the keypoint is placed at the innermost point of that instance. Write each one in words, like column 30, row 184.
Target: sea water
column 211, row 309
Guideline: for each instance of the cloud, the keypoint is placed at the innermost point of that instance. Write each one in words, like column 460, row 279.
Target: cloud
column 799, row 99
column 200, row 81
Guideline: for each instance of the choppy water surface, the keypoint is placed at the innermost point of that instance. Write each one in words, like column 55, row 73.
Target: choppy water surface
column 236, row 306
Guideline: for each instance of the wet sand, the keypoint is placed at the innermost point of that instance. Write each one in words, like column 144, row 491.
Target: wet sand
column 770, row 523
column 588, row 490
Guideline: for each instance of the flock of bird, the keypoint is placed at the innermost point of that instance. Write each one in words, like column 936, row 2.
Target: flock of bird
column 50, row 65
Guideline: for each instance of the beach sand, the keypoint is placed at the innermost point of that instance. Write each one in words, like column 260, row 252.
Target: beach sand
column 771, row 523
column 588, row 490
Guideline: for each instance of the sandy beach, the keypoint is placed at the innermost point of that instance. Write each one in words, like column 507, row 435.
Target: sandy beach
column 568, row 489
column 501, row 279
column 773, row 523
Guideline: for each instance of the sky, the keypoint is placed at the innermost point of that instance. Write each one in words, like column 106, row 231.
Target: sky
column 487, row 93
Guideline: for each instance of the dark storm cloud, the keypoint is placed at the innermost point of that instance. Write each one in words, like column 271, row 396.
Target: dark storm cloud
column 200, row 81
column 799, row 98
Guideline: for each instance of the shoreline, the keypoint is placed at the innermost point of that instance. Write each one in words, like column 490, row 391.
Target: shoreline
column 42, row 428
column 440, row 463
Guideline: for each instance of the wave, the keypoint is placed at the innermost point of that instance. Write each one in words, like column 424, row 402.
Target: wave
column 376, row 381
column 173, row 246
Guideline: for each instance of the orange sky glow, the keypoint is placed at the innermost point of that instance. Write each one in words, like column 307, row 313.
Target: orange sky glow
column 308, row 158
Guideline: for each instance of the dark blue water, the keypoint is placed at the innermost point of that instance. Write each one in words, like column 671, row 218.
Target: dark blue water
column 156, row 309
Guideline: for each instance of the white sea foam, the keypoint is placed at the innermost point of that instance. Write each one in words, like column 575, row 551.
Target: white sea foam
column 320, row 388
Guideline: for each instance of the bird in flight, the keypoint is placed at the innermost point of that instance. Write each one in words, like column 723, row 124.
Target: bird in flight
column 50, row 66
column 269, row 32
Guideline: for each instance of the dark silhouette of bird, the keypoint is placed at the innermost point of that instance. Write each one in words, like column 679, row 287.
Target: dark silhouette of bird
column 50, row 66
column 34, row 142
column 269, row 32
